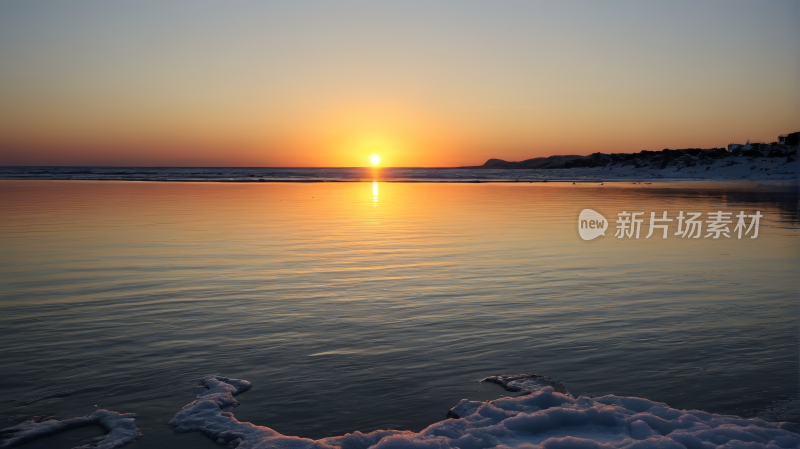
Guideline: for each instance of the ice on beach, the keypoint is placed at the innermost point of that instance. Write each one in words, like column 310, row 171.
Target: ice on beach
column 543, row 419
column 120, row 427
column 526, row 382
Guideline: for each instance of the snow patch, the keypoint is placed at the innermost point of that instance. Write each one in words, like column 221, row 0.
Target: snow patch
column 543, row 419
column 209, row 414
column 121, row 429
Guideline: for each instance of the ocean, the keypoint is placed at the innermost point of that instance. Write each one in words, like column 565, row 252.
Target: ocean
column 256, row 174
column 373, row 305
column 767, row 169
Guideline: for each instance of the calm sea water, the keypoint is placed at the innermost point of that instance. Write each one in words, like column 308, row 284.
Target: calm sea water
column 358, row 306
column 255, row 174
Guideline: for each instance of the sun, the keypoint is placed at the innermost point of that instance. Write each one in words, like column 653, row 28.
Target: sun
column 375, row 159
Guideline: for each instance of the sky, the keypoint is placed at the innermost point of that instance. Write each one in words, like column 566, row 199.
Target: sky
column 430, row 83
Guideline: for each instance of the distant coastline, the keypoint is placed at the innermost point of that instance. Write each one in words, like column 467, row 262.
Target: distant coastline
column 755, row 162
column 681, row 158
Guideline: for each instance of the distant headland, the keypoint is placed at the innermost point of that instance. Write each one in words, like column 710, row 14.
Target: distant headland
column 784, row 148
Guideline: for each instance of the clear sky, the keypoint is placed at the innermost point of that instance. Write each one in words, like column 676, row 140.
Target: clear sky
column 422, row 83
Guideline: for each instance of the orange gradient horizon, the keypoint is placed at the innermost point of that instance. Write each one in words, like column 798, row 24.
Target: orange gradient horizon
column 281, row 85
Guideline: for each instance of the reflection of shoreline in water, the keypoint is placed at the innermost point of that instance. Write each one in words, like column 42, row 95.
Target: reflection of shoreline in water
column 781, row 196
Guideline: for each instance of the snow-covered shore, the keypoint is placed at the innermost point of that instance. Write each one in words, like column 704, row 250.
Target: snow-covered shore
column 778, row 162
column 543, row 419
column 728, row 169
column 544, row 415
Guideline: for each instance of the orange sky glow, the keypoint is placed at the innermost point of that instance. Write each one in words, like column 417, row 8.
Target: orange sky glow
column 201, row 84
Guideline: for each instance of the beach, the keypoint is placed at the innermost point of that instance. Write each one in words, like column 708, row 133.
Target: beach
column 399, row 225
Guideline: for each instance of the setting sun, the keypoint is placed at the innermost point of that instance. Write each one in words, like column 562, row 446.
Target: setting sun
column 375, row 159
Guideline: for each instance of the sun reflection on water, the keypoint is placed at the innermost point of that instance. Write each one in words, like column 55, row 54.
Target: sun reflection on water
column 375, row 193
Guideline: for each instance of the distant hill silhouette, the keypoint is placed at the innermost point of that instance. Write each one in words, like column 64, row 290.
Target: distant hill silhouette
column 538, row 162
column 650, row 159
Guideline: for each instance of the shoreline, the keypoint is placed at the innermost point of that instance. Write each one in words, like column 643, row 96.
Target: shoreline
column 645, row 181
column 541, row 413
column 729, row 169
